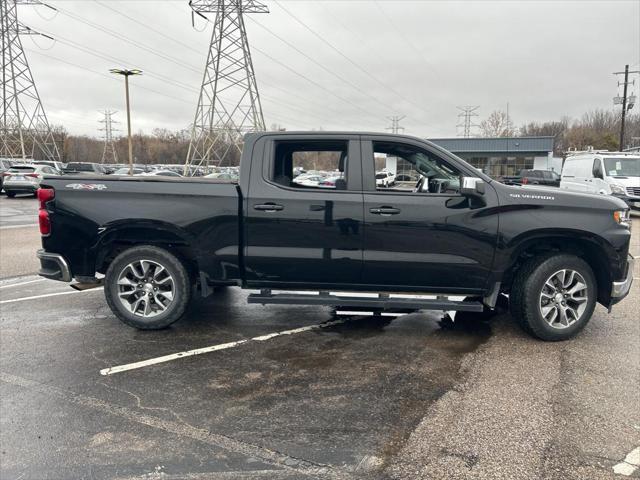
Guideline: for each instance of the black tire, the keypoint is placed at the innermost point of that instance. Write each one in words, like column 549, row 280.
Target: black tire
column 524, row 300
column 11, row 194
column 182, row 287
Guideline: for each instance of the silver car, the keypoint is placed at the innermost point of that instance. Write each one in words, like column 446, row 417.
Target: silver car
column 25, row 178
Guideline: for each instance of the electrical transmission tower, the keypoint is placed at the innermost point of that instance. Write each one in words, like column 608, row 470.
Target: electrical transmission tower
column 109, row 152
column 229, row 105
column 395, row 124
column 24, row 128
column 465, row 116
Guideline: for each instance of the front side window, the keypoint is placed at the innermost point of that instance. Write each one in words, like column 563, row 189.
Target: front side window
column 316, row 164
column 411, row 169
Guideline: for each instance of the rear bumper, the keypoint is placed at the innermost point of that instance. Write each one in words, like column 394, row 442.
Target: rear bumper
column 53, row 266
column 619, row 290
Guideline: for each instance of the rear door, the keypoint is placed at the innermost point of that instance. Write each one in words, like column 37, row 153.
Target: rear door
column 424, row 235
column 305, row 233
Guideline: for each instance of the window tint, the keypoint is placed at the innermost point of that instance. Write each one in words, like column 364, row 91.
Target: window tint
column 412, row 169
column 313, row 164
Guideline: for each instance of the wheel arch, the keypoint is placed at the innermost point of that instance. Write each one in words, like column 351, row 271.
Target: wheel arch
column 591, row 248
column 118, row 237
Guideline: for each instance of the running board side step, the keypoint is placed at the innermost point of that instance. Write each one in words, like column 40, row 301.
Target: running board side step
column 265, row 297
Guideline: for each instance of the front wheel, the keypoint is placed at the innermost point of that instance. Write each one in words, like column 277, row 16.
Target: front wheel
column 553, row 297
column 147, row 287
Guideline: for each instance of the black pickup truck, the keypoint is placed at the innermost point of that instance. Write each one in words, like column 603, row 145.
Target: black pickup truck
column 547, row 178
column 455, row 233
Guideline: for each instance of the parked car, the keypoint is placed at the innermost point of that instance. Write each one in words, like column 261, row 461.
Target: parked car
column 385, row 179
column 533, row 177
column 58, row 166
column 126, row 170
column 83, row 168
column 223, row 176
column 156, row 241
column 160, row 173
column 606, row 173
column 5, row 166
column 26, row 178
column 335, row 181
column 308, row 180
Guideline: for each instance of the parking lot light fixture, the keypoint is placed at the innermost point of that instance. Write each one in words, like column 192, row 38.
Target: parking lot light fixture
column 127, row 73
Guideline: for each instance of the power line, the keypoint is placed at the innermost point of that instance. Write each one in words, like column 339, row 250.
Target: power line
column 347, row 58
column 320, row 65
column 191, row 67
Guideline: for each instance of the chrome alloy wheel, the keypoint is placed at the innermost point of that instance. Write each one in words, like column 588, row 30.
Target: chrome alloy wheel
column 563, row 299
column 145, row 288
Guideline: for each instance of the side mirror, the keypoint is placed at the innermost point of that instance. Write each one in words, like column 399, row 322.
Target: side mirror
column 472, row 187
column 597, row 172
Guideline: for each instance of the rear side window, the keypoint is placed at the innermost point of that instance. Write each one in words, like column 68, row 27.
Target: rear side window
column 320, row 165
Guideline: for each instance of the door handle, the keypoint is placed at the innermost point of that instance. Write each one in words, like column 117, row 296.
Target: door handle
column 385, row 211
column 268, row 207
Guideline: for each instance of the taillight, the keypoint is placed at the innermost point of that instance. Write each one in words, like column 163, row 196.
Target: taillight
column 32, row 175
column 525, row 181
column 45, row 222
column 45, row 195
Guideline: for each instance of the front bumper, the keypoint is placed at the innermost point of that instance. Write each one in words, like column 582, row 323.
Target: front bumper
column 53, row 266
column 632, row 202
column 619, row 290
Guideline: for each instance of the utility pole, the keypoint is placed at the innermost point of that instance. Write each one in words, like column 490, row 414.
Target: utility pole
column 466, row 114
column 24, row 129
column 625, row 107
column 395, row 127
column 229, row 104
column 109, row 151
column 126, row 74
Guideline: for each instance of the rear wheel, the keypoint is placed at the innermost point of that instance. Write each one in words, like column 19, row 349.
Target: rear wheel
column 553, row 297
column 11, row 194
column 147, row 287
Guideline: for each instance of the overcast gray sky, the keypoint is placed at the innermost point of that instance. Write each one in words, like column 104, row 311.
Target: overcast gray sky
column 546, row 58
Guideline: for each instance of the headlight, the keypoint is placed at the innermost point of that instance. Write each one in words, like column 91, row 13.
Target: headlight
column 622, row 217
column 617, row 189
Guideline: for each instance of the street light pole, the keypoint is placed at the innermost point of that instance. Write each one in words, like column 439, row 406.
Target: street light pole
column 127, row 74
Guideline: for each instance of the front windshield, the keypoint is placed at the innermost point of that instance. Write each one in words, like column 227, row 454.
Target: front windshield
column 622, row 167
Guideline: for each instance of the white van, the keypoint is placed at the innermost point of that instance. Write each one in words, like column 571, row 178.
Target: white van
column 606, row 173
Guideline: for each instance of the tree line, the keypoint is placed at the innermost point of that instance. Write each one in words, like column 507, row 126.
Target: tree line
column 597, row 128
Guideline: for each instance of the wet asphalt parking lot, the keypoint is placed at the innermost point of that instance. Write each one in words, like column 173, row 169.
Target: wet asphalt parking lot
column 407, row 397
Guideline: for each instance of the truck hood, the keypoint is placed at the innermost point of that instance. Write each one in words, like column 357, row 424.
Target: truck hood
column 536, row 195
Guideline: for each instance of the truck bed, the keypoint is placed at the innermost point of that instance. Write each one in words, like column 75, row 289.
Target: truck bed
column 97, row 211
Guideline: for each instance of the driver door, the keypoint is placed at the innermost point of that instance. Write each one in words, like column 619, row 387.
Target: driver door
column 423, row 235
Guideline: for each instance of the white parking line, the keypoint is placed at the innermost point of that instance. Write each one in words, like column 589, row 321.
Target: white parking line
column 215, row 348
column 630, row 464
column 35, row 297
column 22, row 283
column 11, row 227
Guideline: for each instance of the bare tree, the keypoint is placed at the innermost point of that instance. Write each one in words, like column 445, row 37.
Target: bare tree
column 497, row 124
